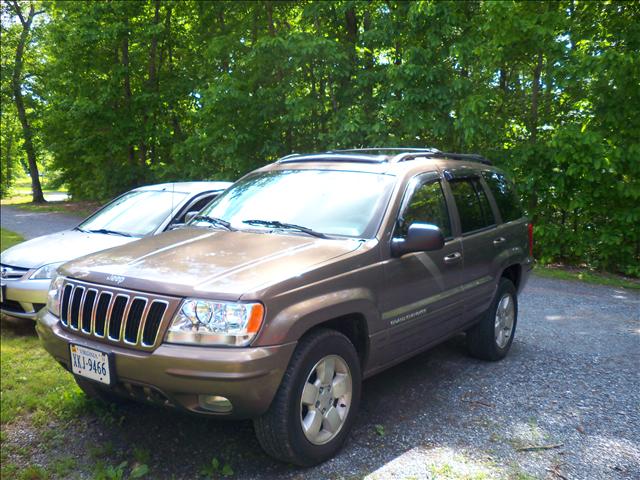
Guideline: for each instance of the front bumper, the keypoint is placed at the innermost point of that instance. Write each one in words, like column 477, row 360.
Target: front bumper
column 175, row 375
column 24, row 298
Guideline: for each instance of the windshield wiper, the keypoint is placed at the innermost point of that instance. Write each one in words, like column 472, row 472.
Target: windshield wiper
column 285, row 226
column 108, row 232
column 214, row 221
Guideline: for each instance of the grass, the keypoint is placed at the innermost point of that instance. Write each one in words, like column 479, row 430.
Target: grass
column 33, row 384
column 21, row 197
column 587, row 276
column 8, row 239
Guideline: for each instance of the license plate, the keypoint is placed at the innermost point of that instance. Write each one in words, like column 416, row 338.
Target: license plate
column 90, row 363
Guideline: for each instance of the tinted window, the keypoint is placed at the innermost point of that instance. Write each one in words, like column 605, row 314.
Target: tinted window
column 473, row 205
column 505, row 196
column 427, row 205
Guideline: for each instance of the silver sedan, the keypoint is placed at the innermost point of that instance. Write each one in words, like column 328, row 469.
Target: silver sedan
column 26, row 269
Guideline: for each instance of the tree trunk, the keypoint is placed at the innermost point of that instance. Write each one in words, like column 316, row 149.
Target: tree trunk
column 535, row 93
column 533, row 126
column 16, row 85
column 127, row 86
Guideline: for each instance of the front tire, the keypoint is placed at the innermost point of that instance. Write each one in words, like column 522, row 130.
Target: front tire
column 491, row 338
column 316, row 403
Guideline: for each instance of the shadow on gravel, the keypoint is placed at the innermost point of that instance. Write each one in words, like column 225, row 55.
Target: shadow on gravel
column 392, row 398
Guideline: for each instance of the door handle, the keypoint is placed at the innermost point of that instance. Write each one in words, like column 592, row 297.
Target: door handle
column 453, row 257
column 499, row 240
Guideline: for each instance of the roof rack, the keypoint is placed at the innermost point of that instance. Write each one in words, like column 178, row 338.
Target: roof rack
column 381, row 155
column 385, row 150
column 333, row 157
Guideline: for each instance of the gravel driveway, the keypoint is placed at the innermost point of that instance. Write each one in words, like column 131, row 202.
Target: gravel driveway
column 563, row 405
column 34, row 224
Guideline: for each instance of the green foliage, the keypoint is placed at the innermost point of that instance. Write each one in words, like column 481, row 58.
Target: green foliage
column 138, row 92
column 216, row 470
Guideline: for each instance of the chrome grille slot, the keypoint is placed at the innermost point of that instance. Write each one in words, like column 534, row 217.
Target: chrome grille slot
column 102, row 309
column 76, row 299
column 134, row 318
column 115, row 315
column 87, row 310
column 151, row 326
column 64, row 307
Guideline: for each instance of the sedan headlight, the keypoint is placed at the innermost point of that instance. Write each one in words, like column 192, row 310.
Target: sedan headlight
column 46, row 271
column 54, row 297
column 208, row 322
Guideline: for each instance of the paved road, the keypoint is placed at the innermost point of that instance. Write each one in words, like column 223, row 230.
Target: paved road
column 34, row 224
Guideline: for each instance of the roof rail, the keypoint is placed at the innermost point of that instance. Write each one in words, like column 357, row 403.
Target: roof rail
column 333, row 157
column 381, row 155
column 385, row 150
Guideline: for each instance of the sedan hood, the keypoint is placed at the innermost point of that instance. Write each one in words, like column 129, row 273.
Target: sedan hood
column 59, row 247
column 199, row 262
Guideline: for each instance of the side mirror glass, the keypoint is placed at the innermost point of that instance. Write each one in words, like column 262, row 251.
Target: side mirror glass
column 421, row 237
column 189, row 216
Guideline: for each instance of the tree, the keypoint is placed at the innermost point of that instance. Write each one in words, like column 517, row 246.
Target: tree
column 17, row 87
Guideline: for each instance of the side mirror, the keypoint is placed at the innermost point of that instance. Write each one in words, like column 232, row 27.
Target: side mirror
column 421, row 237
column 189, row 216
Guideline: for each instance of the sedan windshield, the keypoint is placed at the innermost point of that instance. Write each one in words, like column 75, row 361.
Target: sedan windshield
column 136, row 213
column 312, row 202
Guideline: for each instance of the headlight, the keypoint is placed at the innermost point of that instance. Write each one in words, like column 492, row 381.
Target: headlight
column 215, row 323
column 46, row 271
column 54, row 297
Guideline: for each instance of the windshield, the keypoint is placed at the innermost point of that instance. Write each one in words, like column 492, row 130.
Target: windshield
column 136, row 213
column 329, row 202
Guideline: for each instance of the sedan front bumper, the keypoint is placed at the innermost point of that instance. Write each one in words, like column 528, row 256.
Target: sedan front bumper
column 24, row 298
column 178, row 375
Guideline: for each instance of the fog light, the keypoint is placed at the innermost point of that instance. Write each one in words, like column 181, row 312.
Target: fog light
column 215, row 403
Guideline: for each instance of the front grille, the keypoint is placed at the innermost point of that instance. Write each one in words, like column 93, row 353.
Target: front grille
column 11, row 272
column 115, row 315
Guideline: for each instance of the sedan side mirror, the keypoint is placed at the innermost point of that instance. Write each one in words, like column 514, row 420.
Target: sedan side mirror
column 189, row 216
column 421, row 237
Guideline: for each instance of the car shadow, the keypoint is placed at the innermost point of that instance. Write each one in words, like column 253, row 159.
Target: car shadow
column 393, row 397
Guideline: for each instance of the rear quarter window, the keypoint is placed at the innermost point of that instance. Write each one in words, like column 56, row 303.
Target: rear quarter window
column 505, row 195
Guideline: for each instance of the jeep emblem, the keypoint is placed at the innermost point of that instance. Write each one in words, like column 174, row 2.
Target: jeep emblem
column 115, row 279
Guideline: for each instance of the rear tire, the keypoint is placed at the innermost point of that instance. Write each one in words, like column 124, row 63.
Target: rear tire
column 316, row 403
column 102, row 395
column 491, row 338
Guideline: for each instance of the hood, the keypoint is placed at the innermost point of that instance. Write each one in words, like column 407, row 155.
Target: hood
column 59, row 247
column 207, row 263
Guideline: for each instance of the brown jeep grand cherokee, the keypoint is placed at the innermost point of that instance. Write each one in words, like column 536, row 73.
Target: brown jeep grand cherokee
column 300, row 280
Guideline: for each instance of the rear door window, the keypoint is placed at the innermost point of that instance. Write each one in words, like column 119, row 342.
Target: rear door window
column 505, row 195
column 473, row 205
